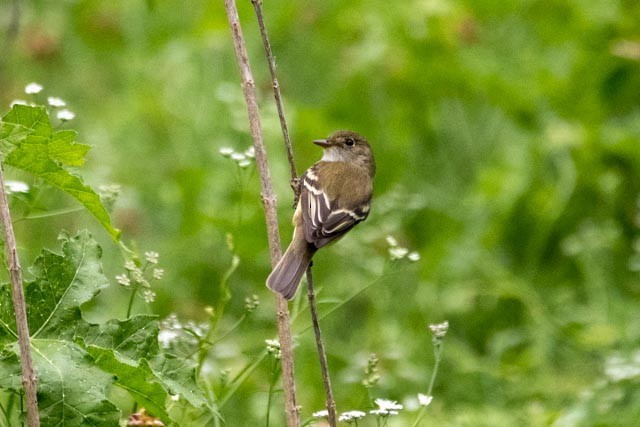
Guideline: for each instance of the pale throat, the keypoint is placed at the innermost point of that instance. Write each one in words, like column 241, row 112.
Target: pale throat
column 332, row 154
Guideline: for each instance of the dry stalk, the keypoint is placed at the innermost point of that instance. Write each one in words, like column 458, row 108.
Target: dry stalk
column 269, row 204
column 29, row 379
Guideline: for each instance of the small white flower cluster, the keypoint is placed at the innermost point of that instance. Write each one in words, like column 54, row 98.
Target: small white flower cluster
column 169, row 330
column 242, row 159
column 135, row 275
column 33, row 88
column 386, row 408
column 371, row 376
column 172, row 330
column 273, row 348
column 320, row 414
column 351, row 416
column 11, row 187
column 251, row 303
column 398, row 252
column 424, row 399
column 439, row 330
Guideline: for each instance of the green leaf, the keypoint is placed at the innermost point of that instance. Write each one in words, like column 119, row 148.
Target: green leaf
column 28, row 142
column 129, row 350
column 77, row 362
column 72, row 390
column 135, row 377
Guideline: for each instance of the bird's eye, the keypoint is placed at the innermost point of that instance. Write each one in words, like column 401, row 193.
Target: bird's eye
column 349, row 142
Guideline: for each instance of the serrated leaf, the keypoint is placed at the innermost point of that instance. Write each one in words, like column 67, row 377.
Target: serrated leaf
column 28, row 142
column 178, row 375
column 135, row 377
column 77, row 362
column 123, row 348
column 133, row 338
column 62, row 284
column 72, row 390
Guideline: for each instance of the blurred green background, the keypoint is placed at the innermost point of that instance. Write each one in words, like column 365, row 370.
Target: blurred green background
column 507, row 135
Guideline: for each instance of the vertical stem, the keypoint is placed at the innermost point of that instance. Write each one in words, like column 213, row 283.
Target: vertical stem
column 29, row 380
column 326, row 381
column 269, row 204
column 133, row 296
column 257, row 5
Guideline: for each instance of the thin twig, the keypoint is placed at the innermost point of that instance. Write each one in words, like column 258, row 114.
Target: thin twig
column 330, row 402
column 269, row 203
column 257, row 5
column 29, row 379
column 326, row 381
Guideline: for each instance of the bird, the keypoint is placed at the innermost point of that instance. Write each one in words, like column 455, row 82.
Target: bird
column 335, row 195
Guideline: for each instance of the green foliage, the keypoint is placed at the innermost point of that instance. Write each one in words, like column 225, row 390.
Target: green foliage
column 506, row 135
column 78, row 362
column 28, row 142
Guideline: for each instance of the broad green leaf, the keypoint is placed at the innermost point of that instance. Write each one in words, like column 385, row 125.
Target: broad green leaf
column 77, row 361
column 28, row 142
column 124, row 349
column 135, row 377
column 72, row 390
column 62, row 284
column 133, row 338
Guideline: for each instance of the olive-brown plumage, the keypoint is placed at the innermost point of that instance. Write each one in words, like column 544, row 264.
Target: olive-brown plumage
column 335, row 195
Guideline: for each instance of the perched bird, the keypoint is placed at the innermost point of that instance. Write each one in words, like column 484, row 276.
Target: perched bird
column 335, row 195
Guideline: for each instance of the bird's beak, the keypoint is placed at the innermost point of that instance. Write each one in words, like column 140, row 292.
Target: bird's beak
column 322, row 143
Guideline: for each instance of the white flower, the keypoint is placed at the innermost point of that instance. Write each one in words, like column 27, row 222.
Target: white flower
column 18, row 102
column 16, row 187
column 65, row 115
column 413, row 257
column 424, row 399
column 250, row 152
column 392, row 241
column 238, row 156
column 244, row 163
column 33, row 88
column 151, row 257
column 320, row 414
column 123, row 280
column 56, row 102
column 386, row 407
column 148, row 295
column 138, row 277
column 383, row 412
column 439, row 330
column 398, row 252
column 158, row 273
column 130, row 265
column 226, row 151
column 273, row 348
column 175, row 397
column 351, row 416
column 166, row 336
column 388, row 404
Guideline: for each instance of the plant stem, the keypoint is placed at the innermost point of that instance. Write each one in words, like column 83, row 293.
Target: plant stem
column 133, row 296
column 257, row 5
column 269, row 204
column 437, row 351
column 326, row 381
column 29, row 379
column 272, row 383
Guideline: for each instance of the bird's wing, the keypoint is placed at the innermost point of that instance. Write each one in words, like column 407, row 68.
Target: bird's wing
column 325, row 220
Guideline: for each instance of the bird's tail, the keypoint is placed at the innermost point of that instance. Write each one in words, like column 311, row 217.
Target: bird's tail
column 286, row 276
